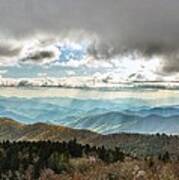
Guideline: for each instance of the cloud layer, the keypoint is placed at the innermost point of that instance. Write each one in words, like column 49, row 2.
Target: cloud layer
column 109, row 32
column 98, row 81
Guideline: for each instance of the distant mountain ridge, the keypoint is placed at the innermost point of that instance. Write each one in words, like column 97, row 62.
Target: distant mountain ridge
column 101, row 116
column 116, row 122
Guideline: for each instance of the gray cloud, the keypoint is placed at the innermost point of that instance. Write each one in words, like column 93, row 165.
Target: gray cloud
column 101, row 50
column 151, row 27
column 8, row 50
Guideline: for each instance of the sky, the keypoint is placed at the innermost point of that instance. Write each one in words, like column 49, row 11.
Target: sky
column 120, row 40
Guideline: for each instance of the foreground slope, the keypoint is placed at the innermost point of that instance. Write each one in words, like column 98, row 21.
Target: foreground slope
column 14, row 131
column 135, row 144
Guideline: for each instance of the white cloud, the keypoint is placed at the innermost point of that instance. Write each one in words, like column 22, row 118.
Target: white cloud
column 42, row 74
column 109, row 81
column 70, row 73
column 3, row 71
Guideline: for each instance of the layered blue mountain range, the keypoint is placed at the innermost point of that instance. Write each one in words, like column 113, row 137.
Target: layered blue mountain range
column 103, row 116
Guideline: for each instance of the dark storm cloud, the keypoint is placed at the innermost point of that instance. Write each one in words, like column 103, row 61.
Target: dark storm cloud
column 150, row 26
column 171, row 63
column 39, row 56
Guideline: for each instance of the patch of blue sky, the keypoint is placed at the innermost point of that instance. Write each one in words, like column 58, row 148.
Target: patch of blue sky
column 69, row 52
column 31, row 71
column 23, row 71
